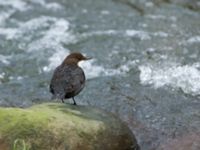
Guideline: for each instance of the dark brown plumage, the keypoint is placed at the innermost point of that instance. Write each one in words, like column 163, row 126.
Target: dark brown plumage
column 68, row 79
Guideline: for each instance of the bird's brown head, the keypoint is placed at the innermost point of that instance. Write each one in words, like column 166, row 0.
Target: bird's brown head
column 74, row 58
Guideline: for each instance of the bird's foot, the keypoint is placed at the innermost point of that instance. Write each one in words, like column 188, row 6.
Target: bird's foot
column 74, row 101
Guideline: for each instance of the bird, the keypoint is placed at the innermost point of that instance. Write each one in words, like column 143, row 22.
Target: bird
column 68, row 78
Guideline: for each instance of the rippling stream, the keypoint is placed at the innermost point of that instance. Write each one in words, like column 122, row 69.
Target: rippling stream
column 145, row 66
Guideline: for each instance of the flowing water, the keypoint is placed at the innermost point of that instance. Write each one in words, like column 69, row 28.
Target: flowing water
column 145, row 66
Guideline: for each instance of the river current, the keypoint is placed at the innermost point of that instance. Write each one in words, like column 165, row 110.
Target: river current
column 145, row 66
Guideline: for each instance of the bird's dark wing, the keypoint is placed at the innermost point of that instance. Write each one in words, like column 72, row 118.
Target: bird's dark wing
column 56, row 86
column 67, row 81
column 74, row 80
column 78, row 78
column 51, row 88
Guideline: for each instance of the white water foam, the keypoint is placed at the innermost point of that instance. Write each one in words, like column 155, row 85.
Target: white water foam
column 105, row 12
column 126, row 33
column 99, row 33
column 143, row 35
column 195, row 39
column 9, row 33
column 93, row 71
column 186, row 77
column 25, row 28
column 90, row 68
column 16, row 4
column 35, row 23
column 159, row 17
column 4, row 16
column 53, row 38
column 156, row 17
column 160, row 34
column 52, row 5
column 58, row 32
column 5, row 59
column 135, row 33
column 55, row 60
column 23, row 5
column 2, row 75
column 191, row 40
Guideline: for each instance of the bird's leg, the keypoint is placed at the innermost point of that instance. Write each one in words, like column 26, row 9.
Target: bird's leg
column 62, row 100
column 74, row 101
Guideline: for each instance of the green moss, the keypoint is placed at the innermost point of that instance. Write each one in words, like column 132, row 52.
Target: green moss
column 55, row 126
column 26, row 124
column 20, row 145
column 20, row 119
column 38, row 122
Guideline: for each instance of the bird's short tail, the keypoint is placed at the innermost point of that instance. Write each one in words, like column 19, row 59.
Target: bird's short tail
column 137, row 147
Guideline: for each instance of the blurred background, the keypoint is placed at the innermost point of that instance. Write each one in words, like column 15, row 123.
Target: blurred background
column 145, row 66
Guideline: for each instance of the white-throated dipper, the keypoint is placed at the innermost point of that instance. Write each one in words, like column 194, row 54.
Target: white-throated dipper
column 68, row 79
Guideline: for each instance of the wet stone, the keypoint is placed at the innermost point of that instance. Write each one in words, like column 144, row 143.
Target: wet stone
column 60, row 126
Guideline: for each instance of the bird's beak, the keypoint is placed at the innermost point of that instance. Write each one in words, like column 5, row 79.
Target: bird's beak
column 88, row 58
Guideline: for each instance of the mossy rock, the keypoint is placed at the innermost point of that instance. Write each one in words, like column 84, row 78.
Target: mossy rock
column 56, row 126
